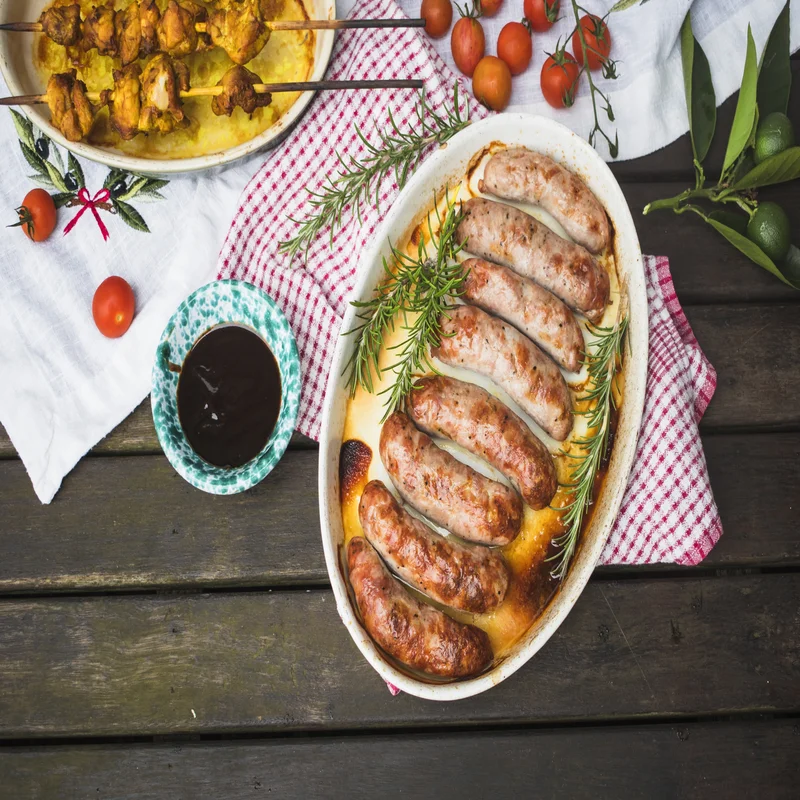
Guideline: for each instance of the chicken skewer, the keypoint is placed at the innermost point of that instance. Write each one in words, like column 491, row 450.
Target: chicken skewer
column 184, row 27
column 150, row 99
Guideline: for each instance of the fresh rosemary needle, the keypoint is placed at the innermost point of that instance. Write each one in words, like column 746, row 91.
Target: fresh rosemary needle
column 359, row 180
column 417, row 290
column 603, row 362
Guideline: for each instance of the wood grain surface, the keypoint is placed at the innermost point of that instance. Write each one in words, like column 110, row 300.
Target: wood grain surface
column 277, row 661
column 745, row 760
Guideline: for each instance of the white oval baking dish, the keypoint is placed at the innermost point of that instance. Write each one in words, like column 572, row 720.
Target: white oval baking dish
column 445, row 166
column 21, row 77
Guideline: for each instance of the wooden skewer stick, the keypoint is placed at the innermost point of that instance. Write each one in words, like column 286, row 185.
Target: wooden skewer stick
column 260, row 88
column 282, row 25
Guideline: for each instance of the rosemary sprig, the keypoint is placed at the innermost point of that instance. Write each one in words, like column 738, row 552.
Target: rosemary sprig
column 418, row 290
column 398, row 151
column 603, row 363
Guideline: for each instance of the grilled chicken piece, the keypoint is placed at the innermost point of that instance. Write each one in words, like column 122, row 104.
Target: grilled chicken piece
column 237, row 90
column 70, row 109
column 177, row 34
column 62, row 24
column 126, row 108
column 99, row 31
column 128, row 26
column 239, row 31
column 149, row 16
column 162, row 81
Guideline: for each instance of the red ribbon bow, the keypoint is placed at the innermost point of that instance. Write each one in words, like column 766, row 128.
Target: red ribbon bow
column 86, row 201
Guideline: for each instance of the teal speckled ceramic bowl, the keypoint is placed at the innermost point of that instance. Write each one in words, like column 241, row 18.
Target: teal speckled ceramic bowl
column 219, row 303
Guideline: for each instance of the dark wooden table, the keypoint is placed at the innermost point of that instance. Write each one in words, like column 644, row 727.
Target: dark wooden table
column 157, row 642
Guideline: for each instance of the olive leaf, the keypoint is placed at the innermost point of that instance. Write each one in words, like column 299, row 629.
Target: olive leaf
column 113, row 176
column 731, row 219
column 623, row 4
column 775, row 73
column 130, row 216
column 63, row 198
column 133, row 189
column 24, row 128
column 752, row 251
column 779, row 168
column 56, row 177
column 77, row 171
column 744, row 118
column 701, row 102
column 59, row 161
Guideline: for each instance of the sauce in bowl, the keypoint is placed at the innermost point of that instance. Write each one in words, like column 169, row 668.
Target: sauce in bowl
column 229, row 395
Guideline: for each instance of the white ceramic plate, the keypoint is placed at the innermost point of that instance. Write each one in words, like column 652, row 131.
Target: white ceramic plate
column 443, row 168
column 21, row 77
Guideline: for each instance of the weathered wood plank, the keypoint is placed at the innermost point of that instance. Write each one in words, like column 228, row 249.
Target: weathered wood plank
column 752, row 348
column 748, row 345
column 738, row 759
column 278, row 660
column 132, row 523
column 136, row 434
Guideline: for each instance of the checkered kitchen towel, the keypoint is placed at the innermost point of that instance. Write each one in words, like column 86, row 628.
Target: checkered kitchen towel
column 668, row 513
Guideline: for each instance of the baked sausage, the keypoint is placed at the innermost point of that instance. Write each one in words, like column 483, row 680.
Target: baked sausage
column 473, row 339
column 529, row 177
column 480, row 423
column 444, row 489
column 540, row 315
column 467, row 577
column 416, row 634
column 505, row 235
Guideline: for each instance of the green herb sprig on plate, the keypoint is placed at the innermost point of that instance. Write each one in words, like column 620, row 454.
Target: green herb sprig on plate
column 731, row 206
column 417, row 290
column 604, row 360
column 359, row 181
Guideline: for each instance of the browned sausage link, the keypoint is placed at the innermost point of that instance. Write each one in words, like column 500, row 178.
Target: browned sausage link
column 528, row 177
column 474, row 340
column 480, row 423
column 419, row 636
column 508, row 236
column 539, row 314
column 466, row 577
column 446, row 491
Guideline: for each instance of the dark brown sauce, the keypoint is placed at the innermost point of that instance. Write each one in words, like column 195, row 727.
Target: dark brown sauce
column 229, row 395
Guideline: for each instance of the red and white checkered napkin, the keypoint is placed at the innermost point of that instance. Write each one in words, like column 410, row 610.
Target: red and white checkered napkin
column 668, row 513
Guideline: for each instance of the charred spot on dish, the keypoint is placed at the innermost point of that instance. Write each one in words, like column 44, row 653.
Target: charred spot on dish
column 354, row 459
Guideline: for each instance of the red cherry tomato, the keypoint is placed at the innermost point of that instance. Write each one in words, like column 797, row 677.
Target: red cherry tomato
column 541, row 14
column 467, row 44
column 37, row 215
column 491, row 83
column 515, row 47
column 113, row 307
column 598, row 41
column 490, row 7
column 438, row 14
column 559, row 79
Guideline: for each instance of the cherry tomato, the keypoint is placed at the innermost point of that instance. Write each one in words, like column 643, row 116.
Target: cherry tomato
column 113, row 307
column 541, row 14
column 559, row 79
column 37, row 215
column 515, row 47
column 491, row 83
column 598, row 41
column 490, row 7
column 438, row 14
column 467, row 44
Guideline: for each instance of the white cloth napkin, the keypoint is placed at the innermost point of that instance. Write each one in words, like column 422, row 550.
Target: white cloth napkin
column 63, row 386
